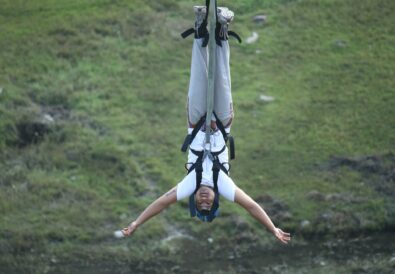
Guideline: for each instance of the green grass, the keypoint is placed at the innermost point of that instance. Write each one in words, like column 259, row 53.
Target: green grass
column 114, row 76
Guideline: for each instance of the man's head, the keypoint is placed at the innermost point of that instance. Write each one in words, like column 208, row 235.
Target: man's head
column 204, row 204
column 204, row 198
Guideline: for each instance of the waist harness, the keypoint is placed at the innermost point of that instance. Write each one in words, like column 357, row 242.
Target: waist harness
column 227, row 137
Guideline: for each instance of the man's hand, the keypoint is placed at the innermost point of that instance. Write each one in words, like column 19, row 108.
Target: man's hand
column 128, row 231
column 282, row 236
column 153, row 209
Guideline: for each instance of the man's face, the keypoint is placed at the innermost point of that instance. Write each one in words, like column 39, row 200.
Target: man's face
column 204, row 198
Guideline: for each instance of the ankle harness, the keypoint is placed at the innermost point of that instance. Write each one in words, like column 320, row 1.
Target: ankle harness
column 202, row 32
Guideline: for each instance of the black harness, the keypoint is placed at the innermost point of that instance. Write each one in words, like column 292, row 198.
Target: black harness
column 198, row 167
column 227, row 137
column 207, row 216
column 202, row 32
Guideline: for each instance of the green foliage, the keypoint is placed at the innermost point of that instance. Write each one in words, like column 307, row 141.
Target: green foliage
column 113, row 76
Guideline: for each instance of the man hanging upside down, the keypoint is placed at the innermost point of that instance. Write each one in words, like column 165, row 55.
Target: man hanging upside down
column 208, row 177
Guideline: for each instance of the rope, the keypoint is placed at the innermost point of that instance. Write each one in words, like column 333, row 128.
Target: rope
column 211, row 74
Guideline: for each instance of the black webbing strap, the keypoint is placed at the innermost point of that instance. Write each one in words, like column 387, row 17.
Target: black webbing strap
column 200, row 157
column 214, row 209
column 208, row 8
column 201, row 153
column 235, row 35
column 186, row 143
column 215, row 170
column 205, row 41
column 232, row 150
column 230, row 33
column 201, row 31
column 221, row 127
column 227, row 137
column 204, row 23
column 198, row 171
column 188, row 32
column 189, row 138
column 217, row 166
column 217, row 38
column 198, row 167
column 205, row 34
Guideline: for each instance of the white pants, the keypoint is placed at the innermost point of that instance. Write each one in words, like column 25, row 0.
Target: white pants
column 198, row 84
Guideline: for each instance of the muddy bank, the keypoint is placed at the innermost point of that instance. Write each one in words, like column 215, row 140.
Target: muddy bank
column 362, row 254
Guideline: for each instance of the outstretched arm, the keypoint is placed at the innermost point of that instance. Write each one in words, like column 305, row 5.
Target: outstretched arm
column 258, row 213
column 153, row 209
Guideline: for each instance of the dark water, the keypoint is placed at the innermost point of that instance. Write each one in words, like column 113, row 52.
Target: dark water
column 363, row 254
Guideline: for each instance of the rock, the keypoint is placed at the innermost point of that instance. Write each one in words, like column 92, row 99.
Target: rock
column 175, row 268
column 260, row 19
column 30, row 132
column 176, row 236
column 390, row 175
column 340, row 43
column 269, row 202
column 332, row 220
column 277, row 269
column 47, row 119
column 371, row 164
column 54, row 260
column 284, row 216
column 343, row 197
column 57, row 112
column 253, row 38
column 1, row 90
column 315, row 195
column 265, row 98
column 239, row 223
column 210, row 240
column 365, row 164
column 305, row 223
column 277, row 209
column 377, row 171
column 334, row 197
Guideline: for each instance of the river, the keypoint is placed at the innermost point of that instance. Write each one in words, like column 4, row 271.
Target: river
column 359, row 254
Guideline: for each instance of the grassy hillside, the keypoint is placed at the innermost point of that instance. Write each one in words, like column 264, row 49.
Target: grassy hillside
column 92, row 116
